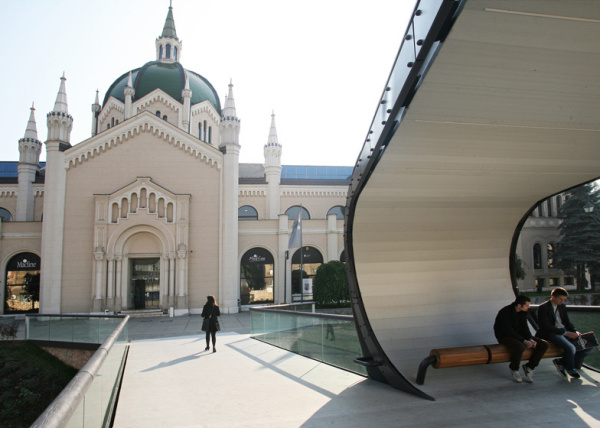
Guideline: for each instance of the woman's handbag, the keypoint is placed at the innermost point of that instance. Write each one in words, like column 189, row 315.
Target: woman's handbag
column 205, row 324
column 217, row 325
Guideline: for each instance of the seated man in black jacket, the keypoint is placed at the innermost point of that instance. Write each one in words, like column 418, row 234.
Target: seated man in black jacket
column 555, row 327
column 511, row 330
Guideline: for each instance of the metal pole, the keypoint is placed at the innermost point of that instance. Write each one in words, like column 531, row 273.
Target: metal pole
column 301, row 278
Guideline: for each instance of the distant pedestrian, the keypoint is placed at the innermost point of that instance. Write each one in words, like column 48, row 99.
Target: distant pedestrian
column 210, row 324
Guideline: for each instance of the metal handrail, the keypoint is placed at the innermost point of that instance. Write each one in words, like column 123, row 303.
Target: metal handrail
column 59, row 412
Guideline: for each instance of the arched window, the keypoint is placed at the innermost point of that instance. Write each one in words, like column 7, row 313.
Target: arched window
column 338, row 211
column 256, row 276
column 160, row 52
column 158, row 113
column 549, row 207
column 168, row 51
column 343, row 257
column 537, row 256
column 175, row 53
column 165, row 117
column 247, row 213
column 204, row 132
column 550, row 251
column 311, row 260
column 210, row 134
column 292, row 212
column 200, row 130
column 5, row 215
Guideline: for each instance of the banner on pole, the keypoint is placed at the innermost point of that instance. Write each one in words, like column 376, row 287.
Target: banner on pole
column 296, row 236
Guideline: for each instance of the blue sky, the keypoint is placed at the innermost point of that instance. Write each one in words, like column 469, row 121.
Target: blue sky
column 320, row 65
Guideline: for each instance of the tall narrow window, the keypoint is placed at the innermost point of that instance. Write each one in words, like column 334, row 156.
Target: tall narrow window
column 175, row 53
column 550, row 251
column 134, row 203
column 124, row 207
column 160, row 52
column 168, row 52
column 537, row 256
column 210, row 134
column 200, row 130
column 204, row 132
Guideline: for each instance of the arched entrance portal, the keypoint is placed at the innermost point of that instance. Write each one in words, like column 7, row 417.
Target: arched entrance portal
column 256, row 276
column 22, row 292
column 311, row 260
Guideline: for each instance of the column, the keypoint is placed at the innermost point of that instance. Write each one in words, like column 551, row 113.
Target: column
column 97, row 303
column 110, row 301
column 118, row 284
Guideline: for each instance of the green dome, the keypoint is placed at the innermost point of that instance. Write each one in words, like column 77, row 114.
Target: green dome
column 169, row 77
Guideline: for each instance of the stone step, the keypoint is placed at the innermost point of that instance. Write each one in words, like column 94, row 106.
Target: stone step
column 144, row 313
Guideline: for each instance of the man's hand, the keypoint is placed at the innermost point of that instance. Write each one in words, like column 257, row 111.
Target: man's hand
column 530, row 343
column 572, row 335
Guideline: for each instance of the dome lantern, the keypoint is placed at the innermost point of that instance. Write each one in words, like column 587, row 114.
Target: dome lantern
column 168, row 46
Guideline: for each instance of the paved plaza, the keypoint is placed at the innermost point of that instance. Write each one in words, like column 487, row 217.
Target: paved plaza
column 170, row 381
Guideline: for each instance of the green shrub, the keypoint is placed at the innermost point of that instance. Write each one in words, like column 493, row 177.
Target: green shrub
column 330, row 284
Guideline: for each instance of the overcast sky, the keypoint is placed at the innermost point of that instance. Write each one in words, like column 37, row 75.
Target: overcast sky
column 320, row 65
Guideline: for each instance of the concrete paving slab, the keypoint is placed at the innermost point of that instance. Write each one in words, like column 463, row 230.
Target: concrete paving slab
column 173, row 382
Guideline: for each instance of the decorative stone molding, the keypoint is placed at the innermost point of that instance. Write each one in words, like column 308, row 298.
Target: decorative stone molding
column 145, row 122
column 206, row 107
column 252, row 192
column 327, row 192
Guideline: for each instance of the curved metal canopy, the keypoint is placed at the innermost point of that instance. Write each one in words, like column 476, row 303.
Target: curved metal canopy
column 491, row 107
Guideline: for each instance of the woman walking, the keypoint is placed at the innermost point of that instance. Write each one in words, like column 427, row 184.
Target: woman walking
column 210, row 312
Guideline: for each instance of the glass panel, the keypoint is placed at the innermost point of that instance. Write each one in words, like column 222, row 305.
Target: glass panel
column 332, row 340
column 586, row 321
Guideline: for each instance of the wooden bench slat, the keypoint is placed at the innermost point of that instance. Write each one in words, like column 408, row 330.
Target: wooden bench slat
column 460, row 356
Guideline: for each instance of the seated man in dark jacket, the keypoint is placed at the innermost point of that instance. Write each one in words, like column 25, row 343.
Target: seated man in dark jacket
column 511, row 330
column 555, row 327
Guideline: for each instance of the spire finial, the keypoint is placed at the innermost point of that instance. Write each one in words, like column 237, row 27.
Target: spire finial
column 61, row 99
column 31, row 131
column 273, row 140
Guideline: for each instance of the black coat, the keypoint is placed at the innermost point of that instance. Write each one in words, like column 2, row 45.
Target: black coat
column 510, row 323
column 547, row 320
column 211, row 312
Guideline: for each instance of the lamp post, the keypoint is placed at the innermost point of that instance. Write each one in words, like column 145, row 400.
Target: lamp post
column 589, row 208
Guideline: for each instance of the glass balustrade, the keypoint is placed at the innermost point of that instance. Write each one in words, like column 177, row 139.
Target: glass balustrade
column 331, row 339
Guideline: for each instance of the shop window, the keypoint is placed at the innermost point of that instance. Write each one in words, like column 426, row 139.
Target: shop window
column 247, row 213
column 22, row 292
column 256, row 276
column 311, row 260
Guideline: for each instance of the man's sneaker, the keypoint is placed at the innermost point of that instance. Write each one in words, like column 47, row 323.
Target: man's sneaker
column 573, row 373
column 516, row 376
column 528, row 374
column 559, row 367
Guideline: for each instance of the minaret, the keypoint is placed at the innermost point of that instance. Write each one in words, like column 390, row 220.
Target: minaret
column 29, row 158
column 186, row 95
column 230, row 147
column 129, row 93
column 272, row 152
column 60, row 124
column 168, row 46
column 95, row 113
